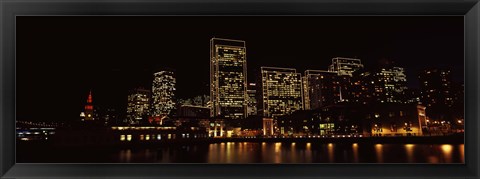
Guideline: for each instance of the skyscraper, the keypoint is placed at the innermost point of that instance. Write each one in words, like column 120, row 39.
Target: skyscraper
column 163, row 93
column 436, row 88
column 281, row 91
column 138, row 105
column 345, row 66
column 391, row 84
column 320, row 88
column 228, row 78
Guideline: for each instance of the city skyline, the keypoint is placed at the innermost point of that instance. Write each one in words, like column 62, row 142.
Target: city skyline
column 137, row 71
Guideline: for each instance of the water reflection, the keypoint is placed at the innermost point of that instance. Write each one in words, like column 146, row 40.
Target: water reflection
column 355, row 152
column 409, row 149
column 251, row 152
column 447, row 152
column 379, row 152
column 125, row 156
column 331, row 153
column 462, row 153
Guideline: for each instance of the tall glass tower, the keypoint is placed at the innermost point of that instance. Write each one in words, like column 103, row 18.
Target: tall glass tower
column 228, row 78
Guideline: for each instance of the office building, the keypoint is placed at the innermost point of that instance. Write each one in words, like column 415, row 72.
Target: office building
column 281, row 91
column 163, row 93
column 345, row 66
column 436, row 88
column 228, row 78
column 138, row 106
column 321, row 88
column 390, row 85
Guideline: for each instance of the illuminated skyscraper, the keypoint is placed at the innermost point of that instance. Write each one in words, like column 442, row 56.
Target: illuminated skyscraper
column 281, row 91
column 228, row 78
column 345, row 66
column 138, row 105
column 89, row 108
column 163, row 93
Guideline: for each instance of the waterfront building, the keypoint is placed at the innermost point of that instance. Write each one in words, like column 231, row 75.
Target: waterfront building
column 268, row 126
column 163, row 93
column 396, row 120
column 345, row 66
column 343, row 120
column 228, row 78
column 138, row 106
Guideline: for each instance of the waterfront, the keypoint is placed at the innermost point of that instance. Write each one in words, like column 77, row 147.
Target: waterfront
column 251, row 152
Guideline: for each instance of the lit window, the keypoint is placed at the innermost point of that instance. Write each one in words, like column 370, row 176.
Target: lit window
column 122, row 137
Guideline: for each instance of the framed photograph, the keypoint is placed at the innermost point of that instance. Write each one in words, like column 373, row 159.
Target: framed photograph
column 212, row 89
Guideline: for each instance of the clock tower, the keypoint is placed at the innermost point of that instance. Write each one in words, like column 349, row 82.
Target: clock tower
column 89, row 108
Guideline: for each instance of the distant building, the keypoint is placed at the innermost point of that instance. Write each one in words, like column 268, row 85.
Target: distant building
column 345, row 66
column 436, row 87
column 252, row 99
column 138, row 106
column 281, row 91
column 89, row 114
column 321, row 88
column 361, row 89
column 193, row 111
column 390, row 85
column 107, row 116
column 228, row 78
column 163, row 93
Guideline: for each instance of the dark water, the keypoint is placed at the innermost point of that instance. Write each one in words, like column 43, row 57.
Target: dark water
column 252, row 152
column 244, row 152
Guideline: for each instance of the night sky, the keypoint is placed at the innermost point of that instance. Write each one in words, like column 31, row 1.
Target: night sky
column 60, row 58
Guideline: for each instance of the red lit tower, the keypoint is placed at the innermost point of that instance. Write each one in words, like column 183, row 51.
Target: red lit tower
column 89, row 108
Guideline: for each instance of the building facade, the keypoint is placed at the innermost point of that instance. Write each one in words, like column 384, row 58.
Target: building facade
column 228, row 78
column 281, row 91
column 345, row 66
column 163, row 93
column 252, row 99
column 321, row 88
column 344, row 120
column 138, row 106
column 436, row 87
column 391, row 84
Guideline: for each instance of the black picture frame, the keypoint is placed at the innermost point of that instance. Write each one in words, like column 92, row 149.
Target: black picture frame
column 10, row 9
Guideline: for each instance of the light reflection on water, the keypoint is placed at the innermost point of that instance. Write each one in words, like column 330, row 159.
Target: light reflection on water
column 447, row 152
column 250, row 152
column 379, row 152
column 409, row 148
